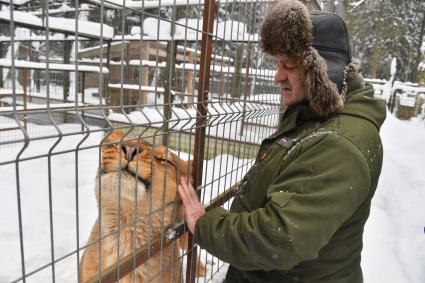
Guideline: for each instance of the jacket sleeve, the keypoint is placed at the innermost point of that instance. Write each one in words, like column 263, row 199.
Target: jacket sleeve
column 307, row 202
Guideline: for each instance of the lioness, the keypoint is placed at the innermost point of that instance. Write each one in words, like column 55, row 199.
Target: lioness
column 150, row 172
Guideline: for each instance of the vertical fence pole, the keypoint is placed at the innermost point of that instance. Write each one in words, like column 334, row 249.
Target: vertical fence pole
column 66, row 59
column 203, row 88
column 1, row 69
column 83, row 95
column 247, row 80
column 170, row 74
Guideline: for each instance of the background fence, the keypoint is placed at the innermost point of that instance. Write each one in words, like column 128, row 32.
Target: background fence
column 185, row 74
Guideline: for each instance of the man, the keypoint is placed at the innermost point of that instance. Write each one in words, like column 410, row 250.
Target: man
column 299, row 213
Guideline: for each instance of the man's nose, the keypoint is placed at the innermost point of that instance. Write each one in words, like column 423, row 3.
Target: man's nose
column 280, row 76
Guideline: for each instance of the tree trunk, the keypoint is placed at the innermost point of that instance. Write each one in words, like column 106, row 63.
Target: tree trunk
column 236, row 85
column 170, row 74
column 376, row 53
column 329, row 6
column 418, row 58
column 340, row 9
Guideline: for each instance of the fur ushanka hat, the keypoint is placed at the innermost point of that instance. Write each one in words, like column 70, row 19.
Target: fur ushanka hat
column 319, row 42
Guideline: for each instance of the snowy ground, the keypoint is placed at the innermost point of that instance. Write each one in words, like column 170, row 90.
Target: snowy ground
column 394, row 244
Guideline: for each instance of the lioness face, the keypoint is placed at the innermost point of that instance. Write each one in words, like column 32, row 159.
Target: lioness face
column 156, row 166
column 136, row 192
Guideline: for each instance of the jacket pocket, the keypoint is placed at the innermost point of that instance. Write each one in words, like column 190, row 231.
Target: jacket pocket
column 281, row 198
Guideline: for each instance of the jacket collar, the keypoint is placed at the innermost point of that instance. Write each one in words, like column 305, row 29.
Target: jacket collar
column 290, row 118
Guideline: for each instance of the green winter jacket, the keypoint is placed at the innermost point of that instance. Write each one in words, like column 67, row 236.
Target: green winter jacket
column 299, row 213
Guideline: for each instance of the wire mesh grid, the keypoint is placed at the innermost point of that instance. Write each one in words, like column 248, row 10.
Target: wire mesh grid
column 103, row 105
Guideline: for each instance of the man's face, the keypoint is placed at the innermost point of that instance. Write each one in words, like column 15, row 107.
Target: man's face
column 290, row 77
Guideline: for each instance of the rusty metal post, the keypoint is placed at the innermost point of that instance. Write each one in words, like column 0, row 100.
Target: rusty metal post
column 202, row 104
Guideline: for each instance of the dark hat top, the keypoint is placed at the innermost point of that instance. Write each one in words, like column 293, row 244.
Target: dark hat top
column 330, row 39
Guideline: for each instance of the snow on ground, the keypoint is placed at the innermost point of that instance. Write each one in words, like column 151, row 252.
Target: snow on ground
column 35, row 208
column 394, row 241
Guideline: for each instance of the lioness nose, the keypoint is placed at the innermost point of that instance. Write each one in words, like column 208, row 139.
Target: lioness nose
column 129, row 151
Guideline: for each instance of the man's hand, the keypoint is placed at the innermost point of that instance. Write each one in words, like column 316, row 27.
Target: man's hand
column 192, row 206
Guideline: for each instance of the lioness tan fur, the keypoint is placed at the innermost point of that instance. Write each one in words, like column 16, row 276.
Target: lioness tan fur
column 151, row 175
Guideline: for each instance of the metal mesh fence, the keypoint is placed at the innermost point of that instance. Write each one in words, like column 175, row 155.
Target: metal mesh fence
column 84, row 86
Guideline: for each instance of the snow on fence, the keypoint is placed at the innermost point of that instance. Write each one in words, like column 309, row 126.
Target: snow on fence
column 186, row 76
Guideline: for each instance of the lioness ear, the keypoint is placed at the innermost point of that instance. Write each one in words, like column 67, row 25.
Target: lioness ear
column 186, row 168
column 114, row 136
column 190, row 170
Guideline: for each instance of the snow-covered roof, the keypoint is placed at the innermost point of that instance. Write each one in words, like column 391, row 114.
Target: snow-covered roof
column 117, row 4
column 191, row 30
column 404, row 86
column 407, row 101
column 375, row 81
column 62, row 9
column 409, row 87
column 137, row 87
column 35, row 37
column 9, row 91
column 214, row 67
column 15, row 2
column 82, row 50
column 52, row 66
column 33, row 106
column 181, row 48
column 58, row 24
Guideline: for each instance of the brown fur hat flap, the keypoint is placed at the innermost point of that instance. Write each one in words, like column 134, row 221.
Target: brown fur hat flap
column 322, row 93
